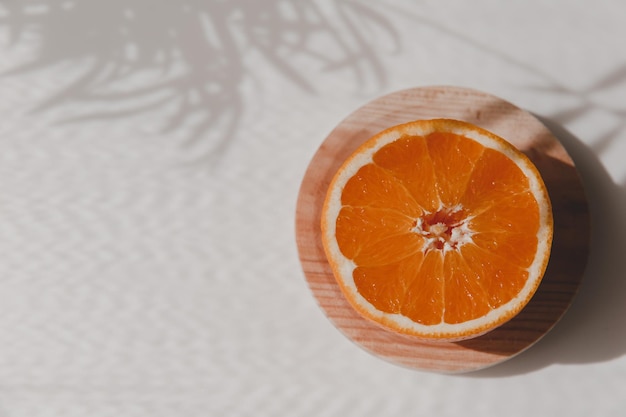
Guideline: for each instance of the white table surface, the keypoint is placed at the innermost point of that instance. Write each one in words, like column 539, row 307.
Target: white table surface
column 151, row 154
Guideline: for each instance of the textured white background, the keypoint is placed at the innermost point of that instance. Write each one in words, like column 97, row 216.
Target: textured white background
column 150, row 158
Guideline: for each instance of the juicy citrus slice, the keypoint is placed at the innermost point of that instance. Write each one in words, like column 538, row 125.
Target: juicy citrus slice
column 437, row 229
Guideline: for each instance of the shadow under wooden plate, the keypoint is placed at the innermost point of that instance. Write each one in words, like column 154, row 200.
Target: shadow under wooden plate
column 571, row 227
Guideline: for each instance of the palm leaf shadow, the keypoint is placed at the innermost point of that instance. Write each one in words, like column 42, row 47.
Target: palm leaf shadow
column 586, row 102
column 187, row 58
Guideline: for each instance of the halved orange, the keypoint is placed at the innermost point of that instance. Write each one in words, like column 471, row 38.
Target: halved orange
column 437, row 229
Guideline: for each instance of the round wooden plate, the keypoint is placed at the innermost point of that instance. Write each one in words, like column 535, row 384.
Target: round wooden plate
column 571, row 227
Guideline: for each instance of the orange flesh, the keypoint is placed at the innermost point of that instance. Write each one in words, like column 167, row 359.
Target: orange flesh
column 400, row 210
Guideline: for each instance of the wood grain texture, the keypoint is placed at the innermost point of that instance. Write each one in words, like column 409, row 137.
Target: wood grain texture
column 571, row 227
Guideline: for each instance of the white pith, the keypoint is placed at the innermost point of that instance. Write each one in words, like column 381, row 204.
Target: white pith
column 461, row 234
column 436, row 239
